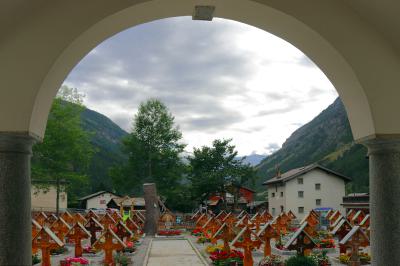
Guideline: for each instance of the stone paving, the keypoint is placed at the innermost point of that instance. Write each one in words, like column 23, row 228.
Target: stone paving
column 173, row 252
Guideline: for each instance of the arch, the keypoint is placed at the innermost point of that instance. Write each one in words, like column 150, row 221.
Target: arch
column 340, row 56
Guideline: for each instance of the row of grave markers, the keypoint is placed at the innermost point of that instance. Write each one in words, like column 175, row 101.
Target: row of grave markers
column 249, row 232
column 49, row 232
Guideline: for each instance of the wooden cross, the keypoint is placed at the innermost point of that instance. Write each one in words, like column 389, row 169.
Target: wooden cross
column 51, row 219
column 60, row 228
column 365, row 222
column 281, row 224
column 227, row 234
column 266, row 233
column 77, row 233
column 138, row 219
column 109, row 242
column 91, row 214
column 116, row 216
column 133, row 226
column 210, row 228
column 291, row 215
column 301, row 241
column 107, row 221
column 79, row 218
column 68, row 217
column 341, row 230
column 257, row 220
column 123, row 231
column 247, row 244
column 93, row 226
column 41, row 218
column 46, row 241
column 355, row 239
column 36, row 228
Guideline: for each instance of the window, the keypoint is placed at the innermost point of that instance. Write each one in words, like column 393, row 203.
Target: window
column 300, row 194
column 301, row 209
column 273, row 194
column 273, row 211
column 102, row 201
column 281, row 193
column 318, row 202
column 282, row 209
column 300, row 180
column 317, row 186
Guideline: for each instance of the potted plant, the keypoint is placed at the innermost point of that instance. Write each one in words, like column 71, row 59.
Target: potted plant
column 301, row 261
column 273, row 260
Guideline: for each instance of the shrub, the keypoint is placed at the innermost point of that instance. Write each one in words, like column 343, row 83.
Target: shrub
column 300, row 261
column 35, row 259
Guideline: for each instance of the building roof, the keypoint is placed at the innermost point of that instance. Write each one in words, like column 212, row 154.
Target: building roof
column 291, row 174
column 97, row 194
column 127, row 202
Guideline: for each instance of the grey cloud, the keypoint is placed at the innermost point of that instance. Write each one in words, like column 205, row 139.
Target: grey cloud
column 272, row 147
column 283, row 110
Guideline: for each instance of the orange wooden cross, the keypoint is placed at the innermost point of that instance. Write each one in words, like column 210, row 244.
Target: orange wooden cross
column 60, row 228
column 93, row 226
column 116, row 216
column 227, row 234
column 79, row 218
column 244, row 241
column 133, row 226
column 341, row 230
column 68, row 217
column 138, row 219
column 77, row 233
column 91, row 214
column 109, row 242
column 107, row 221
column 355, row 239
column 51, row 219
column 123, row 231
column 210, row 228
column 41, row 218
column 46, row 240
column 35, row 230
column 301, row 241
column 266, row 233
column 291, row 215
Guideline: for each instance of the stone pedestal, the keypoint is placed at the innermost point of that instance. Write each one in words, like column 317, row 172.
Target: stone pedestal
column 15, row 199
column 152, row 209
column 384, row 167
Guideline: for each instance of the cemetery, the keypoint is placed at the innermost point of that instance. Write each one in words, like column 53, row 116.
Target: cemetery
column 201, row 238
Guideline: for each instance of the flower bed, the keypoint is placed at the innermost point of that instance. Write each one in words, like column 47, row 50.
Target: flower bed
column 212, row 248
column 58, row 251
column 169, row 233
column 220, row 257
column 70, row 261
column 365, row 258
column 196, row 232
column 273, row 260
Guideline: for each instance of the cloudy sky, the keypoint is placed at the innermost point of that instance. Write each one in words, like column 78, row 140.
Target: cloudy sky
column 220, row 79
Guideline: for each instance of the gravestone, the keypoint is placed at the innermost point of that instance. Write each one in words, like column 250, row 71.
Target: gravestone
column 46, row 241
column 301, row 241
column 93, row 226
column 227, row 234
column 109, row 242
column 355, row 239
column 248, row 241
column 266, row 233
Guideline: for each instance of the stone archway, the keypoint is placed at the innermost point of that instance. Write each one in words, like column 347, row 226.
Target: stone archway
column 40, row 44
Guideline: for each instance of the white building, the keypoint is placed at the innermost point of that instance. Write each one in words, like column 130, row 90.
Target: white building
column 44, row 195
column 303, row 189
column 97, row 200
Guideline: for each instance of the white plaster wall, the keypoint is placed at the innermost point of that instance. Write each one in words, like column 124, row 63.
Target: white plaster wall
column 46, row 199
column 100, row 201
column 331, row 193
column 277, row 201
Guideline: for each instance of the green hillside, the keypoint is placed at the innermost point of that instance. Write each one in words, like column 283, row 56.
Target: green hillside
column 328, row 140
column 106, row 138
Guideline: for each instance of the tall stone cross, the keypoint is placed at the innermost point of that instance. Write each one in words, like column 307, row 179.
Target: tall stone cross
column 93, row 226
column 109, row 242
column 77, row 234
column 46, row 240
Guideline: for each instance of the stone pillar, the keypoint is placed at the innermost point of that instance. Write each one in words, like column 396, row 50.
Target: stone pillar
column 384, row 167
column 15, row 199
column 152, row 209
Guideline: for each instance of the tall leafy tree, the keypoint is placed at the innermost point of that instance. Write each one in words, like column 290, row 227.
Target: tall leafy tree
column 153, row 148
column 65, row 152
column 216, row 169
